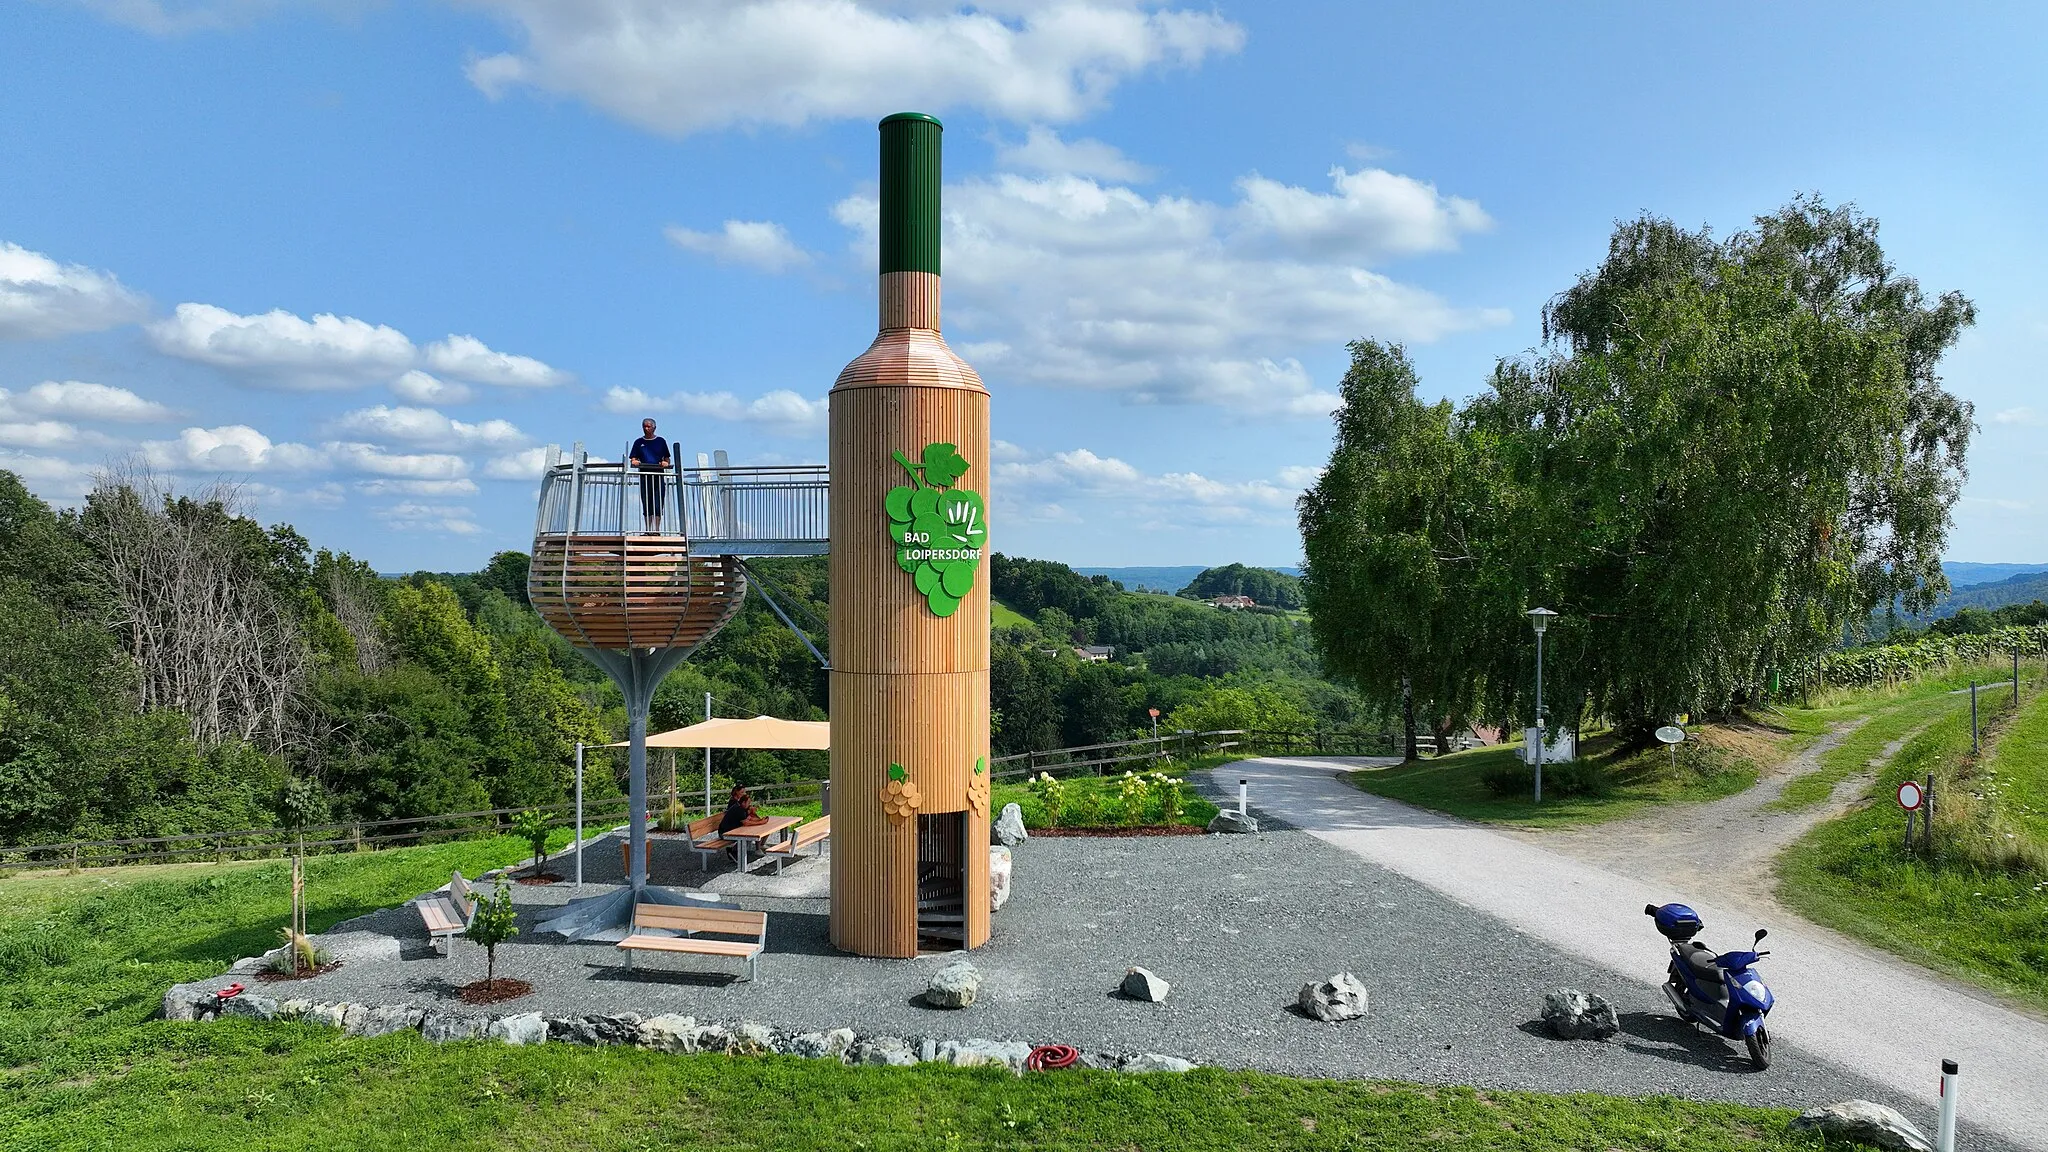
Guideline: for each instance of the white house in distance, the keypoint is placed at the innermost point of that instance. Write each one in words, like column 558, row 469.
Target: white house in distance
column 1232, row 603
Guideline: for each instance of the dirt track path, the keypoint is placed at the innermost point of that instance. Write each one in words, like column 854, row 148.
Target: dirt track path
column 1724, row 846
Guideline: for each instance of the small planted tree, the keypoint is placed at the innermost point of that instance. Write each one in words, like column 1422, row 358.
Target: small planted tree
column 533, row 827
column 300, row 805
column 494, row 923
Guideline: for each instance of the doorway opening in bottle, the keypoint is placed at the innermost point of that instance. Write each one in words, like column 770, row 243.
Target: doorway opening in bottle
column 941, row 890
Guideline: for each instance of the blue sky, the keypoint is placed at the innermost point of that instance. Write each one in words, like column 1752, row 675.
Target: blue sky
column 365, row 258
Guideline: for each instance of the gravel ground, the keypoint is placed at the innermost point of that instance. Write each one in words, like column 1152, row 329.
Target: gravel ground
column 1236, row 923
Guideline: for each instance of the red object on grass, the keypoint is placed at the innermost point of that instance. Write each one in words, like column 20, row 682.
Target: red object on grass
column 1046, row 1057
column 230, row 990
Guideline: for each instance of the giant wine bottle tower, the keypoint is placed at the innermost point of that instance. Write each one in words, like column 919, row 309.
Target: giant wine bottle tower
column 910, row 613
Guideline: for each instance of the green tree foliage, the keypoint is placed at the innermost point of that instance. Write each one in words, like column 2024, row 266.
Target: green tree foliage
column 494, row 923
column 1265, row 586
column 1731, row 451
column 1253, row 709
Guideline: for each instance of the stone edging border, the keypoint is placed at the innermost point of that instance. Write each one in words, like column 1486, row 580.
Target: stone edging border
column 665, row 1033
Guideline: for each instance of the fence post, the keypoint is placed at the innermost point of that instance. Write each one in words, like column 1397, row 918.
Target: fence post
column 356, row 835
column 74, row 859
column 220, row 852
column 1973, row 718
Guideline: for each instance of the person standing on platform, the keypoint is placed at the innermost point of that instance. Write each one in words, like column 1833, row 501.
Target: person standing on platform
column 650, row 456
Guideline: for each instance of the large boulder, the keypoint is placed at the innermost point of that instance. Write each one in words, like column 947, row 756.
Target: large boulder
column 1144, row 984
column 834, row 1045
column 1341, row 997
column 1154, row 1062
column 383, row 1020
column 1010, row 826
column 879, row 1051
column 522, row 1028
column 1862, row 1122
column 1573, row 1015
column 250, row 1007
column 1231, row 820
column 998, row 876
column 668, row 1032
column 443, row 1027
column 189, row 1002
column 977, row 1053
column 953, row 986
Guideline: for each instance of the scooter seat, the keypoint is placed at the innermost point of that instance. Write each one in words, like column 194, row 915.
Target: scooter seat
column 1705, row 972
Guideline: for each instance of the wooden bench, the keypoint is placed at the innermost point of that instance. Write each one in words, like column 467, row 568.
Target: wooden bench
column 751, row 927
column 807, row 834
column 704, row 837
column 447, row 913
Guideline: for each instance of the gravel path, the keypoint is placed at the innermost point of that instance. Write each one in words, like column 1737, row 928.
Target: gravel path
column 1695, row 847
column 1840, row 1006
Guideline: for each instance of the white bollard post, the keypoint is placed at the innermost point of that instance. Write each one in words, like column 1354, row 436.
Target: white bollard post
column 1945, row 1134
column 1241, row 786
column 579, row 813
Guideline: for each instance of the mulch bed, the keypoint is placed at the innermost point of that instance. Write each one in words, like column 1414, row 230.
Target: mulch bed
column 1140, row 830
column 540, row 878
column 269, row 977
column 494, row 991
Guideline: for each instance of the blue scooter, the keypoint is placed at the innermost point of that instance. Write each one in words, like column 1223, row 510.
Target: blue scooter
column 1718, row 992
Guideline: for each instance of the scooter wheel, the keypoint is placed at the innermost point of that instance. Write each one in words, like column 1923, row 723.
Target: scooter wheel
column 1759, row 1044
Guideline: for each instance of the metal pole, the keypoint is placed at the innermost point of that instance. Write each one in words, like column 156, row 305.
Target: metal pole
column 1973, row 718
column 1951, row 1083
column 636, row 789
column 579, row 813
column 1539, row 718
column 2015, row 677
column 707, row 760
column 1927, row 816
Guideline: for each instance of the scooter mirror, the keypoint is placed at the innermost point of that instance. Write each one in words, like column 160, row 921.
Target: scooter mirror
column 1761, row 933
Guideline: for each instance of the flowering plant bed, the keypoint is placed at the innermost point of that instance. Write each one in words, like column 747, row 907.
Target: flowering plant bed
column 494, row 991
column 1119, row 830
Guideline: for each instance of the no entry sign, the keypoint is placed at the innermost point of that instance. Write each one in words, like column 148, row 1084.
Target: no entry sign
column 1910, row 796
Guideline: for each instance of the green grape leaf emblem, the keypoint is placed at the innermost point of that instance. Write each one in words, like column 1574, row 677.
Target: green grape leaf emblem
column 897, row 772
column 940, row 532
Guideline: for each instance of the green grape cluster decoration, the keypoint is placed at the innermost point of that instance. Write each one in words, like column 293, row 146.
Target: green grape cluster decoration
column 938, row 530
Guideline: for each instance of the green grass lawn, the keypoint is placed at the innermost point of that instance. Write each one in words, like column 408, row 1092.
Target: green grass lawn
column 1001, row 615
column 1958, row 912
column 85, row 959
column 1892, row 722
column 1455, row 784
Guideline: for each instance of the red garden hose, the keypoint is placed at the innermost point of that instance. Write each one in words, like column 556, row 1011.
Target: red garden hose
column 1047, row 1057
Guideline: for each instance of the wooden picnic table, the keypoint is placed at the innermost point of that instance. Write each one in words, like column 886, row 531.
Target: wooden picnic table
column 754, row 834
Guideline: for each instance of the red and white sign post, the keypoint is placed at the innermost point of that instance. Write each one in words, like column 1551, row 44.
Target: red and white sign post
column 1910, row 798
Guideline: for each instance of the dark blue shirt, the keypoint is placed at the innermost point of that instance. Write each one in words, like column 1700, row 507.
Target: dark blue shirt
column 650, row 451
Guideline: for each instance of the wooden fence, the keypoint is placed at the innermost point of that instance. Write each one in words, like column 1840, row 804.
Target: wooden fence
column 358, row 835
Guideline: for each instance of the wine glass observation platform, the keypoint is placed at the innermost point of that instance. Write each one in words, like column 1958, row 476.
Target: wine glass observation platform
column 629, row 558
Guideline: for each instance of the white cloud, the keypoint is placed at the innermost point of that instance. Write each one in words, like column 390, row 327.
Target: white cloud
column 1070, row 282
column 230, row 448
column 2022, row 417
column 522, row 465
column 371, row 460
column 470, row 359
column 39, row 434
column 412, row 517
column 423, row 388
column 417, row 487
column 283, row 350
column 40, row 298
column 781, row 412
column 424, row 426
column 683, row 66
column 1373, row 214
column 758, row 244
column 1162, row 501
column 78, row 400
column 1042, row 150
column 62, row 479
column 1300, row 476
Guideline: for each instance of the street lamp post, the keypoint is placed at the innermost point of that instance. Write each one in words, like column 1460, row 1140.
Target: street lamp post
column 1539, row 619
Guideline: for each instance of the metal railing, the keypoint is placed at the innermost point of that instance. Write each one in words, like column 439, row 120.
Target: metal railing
column 721, row 510
column 358, row 835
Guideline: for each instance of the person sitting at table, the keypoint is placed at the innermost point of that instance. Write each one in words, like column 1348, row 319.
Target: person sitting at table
column 739, row 812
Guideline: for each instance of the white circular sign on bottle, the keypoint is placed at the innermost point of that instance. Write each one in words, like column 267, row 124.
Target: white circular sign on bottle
column 1909, row 796
column 1670, row 734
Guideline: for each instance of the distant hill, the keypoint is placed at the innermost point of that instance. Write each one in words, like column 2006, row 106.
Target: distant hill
column 1963, row 574
column 1168, row 579
column 2020, row 589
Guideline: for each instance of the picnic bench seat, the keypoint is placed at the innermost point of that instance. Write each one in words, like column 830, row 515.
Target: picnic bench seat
column 808, row 833
column 447, row 912
column 705, row 838
column 751, row 927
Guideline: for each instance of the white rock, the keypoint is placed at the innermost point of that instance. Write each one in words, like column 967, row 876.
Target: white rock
column 751, row 1039
column 1010, row 826
column 834, row 1045
column 878, row 1051
column 326, row 1012
column 1341, row 997
column 998, row 876
column 1229, row 820
column 1154, row 1062
column 523, row 1028
column 953, row 986
column 668, row 1033
column 442, row 1028
column 1862, row 1122
column 1143, row 984
column 975, row 1053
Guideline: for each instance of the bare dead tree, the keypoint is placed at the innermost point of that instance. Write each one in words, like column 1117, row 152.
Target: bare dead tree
column 355, row 606
column 210, row 637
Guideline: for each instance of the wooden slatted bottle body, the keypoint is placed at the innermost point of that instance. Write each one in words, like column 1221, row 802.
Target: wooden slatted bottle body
column 909, row 685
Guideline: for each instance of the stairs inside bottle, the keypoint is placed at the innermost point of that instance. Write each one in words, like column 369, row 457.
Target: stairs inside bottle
column 941, row 900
